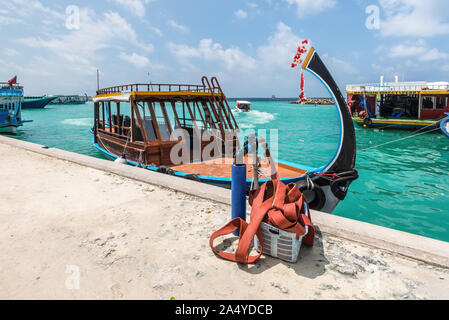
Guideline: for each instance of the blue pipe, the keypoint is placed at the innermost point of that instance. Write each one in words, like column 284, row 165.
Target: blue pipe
column 238, row 186
column 366, row 104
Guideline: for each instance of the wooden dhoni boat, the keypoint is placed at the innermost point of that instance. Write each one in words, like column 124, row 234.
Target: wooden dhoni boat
column 144, row 136
column 412, row 105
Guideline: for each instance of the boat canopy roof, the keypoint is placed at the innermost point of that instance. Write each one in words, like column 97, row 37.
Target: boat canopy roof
column 400, row 88
column 157, row 90
column 201, row 107
column 243, row 102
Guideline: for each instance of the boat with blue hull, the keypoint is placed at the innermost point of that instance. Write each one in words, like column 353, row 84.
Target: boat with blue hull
column 36, row 102
column 444, row 125
column 162, row 122
column 11, row 97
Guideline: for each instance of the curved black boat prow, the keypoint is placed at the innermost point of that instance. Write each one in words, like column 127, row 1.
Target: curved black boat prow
column 332, row 183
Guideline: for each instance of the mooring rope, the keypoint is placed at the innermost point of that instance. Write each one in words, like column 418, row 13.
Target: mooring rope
column 405, row 138
column 101, row 140
column 126, row 145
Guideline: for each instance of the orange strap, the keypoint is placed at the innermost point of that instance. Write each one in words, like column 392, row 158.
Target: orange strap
column 278, row 205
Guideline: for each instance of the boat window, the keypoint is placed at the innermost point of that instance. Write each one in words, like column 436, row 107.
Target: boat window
column 208, row 115
column 163, row 120
column 427, row 103
column 173, row 114
column 138, row 136
column 149, row 128
column 212, row 115
column 165, row 133
column 440, row 102
column 137, row 129
column 102, row 116
column 190, row 116
column 146, row 122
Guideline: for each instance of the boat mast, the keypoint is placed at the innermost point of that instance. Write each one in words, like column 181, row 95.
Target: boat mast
column 98, row 79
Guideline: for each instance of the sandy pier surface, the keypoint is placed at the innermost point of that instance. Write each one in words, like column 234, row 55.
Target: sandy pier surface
column 72, row 232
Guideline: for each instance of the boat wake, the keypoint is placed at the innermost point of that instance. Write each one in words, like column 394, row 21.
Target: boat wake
column 249, row 120
column 81, row 122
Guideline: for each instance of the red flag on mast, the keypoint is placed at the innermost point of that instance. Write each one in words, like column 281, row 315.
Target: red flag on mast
column 297, row 60
column 301, row 95
column 12, row 81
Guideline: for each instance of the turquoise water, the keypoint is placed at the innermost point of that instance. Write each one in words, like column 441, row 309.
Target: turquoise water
column 404, row 185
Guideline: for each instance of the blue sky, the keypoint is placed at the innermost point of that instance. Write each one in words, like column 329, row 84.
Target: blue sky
column 248, row 45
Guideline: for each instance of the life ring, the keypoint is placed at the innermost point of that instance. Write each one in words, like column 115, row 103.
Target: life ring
column 367, row 121
column 319, row 198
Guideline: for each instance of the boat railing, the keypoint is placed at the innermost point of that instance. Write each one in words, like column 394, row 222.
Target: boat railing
column 5, row 85
column 114, row 130
column 386, row 87
column 155, row 87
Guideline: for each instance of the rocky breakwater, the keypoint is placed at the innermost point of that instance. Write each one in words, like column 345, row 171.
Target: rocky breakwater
column 315, row 101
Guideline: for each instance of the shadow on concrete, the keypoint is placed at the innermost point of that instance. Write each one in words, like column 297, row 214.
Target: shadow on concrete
column 311, row 263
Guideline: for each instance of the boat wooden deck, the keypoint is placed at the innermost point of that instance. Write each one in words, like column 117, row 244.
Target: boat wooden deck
column 222, row 168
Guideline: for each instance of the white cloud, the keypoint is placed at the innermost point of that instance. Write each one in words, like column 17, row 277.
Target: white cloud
column 418, row 50
column 157, row 31
column 20, row 11
column 405, row 50
column 414, row 18
column 135, row 59
column 340, row 66
column 252, row 5
column 208, row 50
column 49, row 58
column 80, row 48
column 280, row 48
column 10, row 52
column 140, row 61
column 305, row 7
column 8, row 20
column 136, row 7
column 27, row 8
column 177, row 26
column 266, row 72
column 240, row 14
column 434, row 54
column 385, row 70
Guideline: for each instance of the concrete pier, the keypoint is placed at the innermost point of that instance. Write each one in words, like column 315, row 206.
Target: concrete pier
column 75, row 227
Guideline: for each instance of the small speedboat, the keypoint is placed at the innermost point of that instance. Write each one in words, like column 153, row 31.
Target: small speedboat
column 243, row 106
